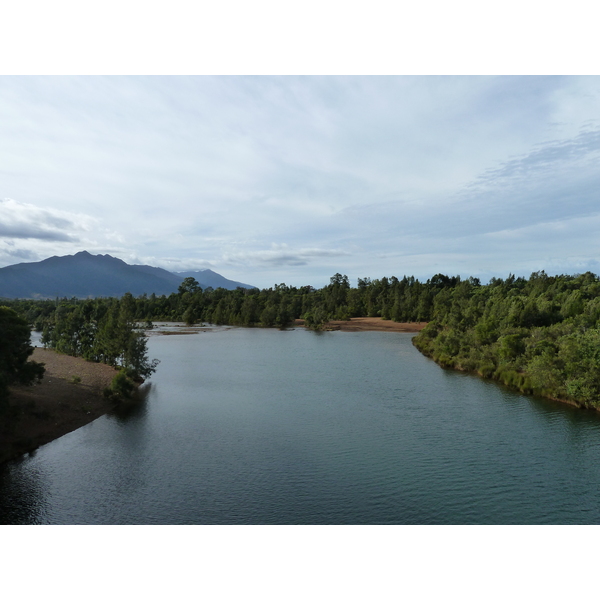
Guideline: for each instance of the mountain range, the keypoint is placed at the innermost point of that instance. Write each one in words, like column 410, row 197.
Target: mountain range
column 84, row 275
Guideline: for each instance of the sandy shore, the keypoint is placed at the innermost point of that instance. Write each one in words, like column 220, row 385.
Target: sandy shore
column 368, row 324
column 46, row 411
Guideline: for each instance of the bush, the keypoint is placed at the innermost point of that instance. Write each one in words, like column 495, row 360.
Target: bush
column 121, row 388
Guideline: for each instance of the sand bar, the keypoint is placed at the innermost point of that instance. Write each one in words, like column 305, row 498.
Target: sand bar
column 369, row 324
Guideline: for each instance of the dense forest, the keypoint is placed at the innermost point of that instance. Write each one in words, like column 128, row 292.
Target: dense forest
column 540, row 335
column 62, row 320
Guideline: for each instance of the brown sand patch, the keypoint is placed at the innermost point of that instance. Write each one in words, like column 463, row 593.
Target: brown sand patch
column 369, row 324
column 43, row 412
column 186, row 332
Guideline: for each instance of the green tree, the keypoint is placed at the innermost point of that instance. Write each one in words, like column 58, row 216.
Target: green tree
column 15, row 349
column 189, row 284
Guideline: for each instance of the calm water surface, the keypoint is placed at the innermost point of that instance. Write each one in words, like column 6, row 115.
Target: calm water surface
column 263, row 426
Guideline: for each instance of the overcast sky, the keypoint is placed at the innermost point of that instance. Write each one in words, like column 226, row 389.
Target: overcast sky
column 292, row 179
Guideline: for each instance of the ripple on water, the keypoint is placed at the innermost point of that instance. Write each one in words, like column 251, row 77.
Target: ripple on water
column 261, row 426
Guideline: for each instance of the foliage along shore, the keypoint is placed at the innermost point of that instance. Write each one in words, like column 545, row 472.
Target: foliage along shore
column 539, row 335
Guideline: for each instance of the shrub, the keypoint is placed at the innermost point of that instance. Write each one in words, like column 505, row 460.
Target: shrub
column 122, row 387
column 122, row 384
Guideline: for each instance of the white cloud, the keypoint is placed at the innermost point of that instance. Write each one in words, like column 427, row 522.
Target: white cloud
column 295, row 178
column 31, row 233
column 281, row 255
column 19, row 220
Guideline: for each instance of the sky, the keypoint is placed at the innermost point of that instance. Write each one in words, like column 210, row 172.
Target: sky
column 291, row 179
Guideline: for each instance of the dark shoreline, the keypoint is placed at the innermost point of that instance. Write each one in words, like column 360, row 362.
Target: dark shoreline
column 509, row 387
column 43, row 412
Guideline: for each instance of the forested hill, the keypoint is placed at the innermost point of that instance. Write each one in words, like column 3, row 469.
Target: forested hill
column 85, row 275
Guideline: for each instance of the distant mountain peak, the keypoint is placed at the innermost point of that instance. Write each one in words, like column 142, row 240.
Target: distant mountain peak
column 85, row 275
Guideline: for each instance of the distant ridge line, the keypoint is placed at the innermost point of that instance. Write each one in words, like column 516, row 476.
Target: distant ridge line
column 85, row 275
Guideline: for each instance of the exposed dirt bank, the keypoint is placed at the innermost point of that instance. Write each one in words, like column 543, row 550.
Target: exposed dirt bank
column 43, row 412
column 368, row 324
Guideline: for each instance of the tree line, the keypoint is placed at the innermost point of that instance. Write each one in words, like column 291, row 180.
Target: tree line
column 540, row 335
column 85, row 327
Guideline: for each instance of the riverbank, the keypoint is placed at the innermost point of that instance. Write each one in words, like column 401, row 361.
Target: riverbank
column 69, row 396
column 495, row 377
column 368, row 324
column 71, row 392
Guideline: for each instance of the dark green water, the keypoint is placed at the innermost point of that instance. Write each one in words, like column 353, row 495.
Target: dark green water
column 262, row 426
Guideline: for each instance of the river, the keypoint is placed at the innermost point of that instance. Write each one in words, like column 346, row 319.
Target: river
column 255, row 426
